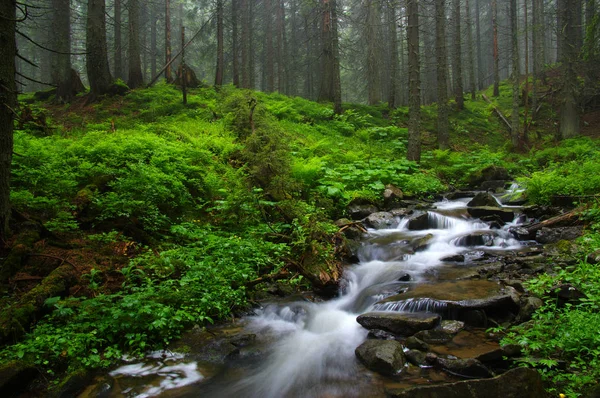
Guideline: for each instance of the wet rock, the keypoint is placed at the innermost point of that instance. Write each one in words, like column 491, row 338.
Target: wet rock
column 381, row 335
column 483, row 199
column 528, row 306
column 460, row 195
column 102, row 388
column 519, row 382
column 553, row 235
column 568, row 293
column 381, row 220
column 401, row 212
column 541, row 212
column 505, row 215
column 15, row 376
column 480, row 238
column 521, row 233
column 351, row 229
column 490, row 173
column 457, row 258
column 494, row 219
column 382, row 356
column 476, row 318
column 416, row 357
column 452, row 327
column 405, row 324
column 405, row 278
column 74, row 383
column 361, row 208
column 593, row 258
column 465, row 367
column 414, row 343
column 435, row 336
column 494, row 185
column 420, row 244
column 419, row 222
column 392, row 195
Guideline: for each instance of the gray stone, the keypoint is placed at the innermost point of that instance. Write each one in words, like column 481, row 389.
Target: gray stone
column 516, row 383
column 419, row 222
column 505, row 215
column 457, row 258
column 452, row 327
column 392, row 195
column 553, row 235
column 360, row 210
column 528, row 306
column 382, row 356
column 405, row 324
column 381, row 220
column 483, row 199
column 420, row 244
column 435, row 336
column 465, row 367
column 416, row 357
column 494, row 185
column 414, row 343
column 594, row 258
column 481, row 238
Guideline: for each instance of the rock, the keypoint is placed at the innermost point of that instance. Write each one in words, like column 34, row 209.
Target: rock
column 405, row 278
column 505, row 215
column 452, row 327
column 416, row 357
column 392, row 195
column 553, row 235
column 465, row 367
column 494, row 185
column 435, row 336
column 480, row 238
column 74, row 383
column 490, row 173
column 483, row 199
column 405, row 324
column 593, row 258
column 15, row 376
column 401, row 212
column 457, row 258
column 381, row 220
column 568, row 293
column 381, row 335
column 360, row 208
column 541, row 212
column 420, row 244
column 415, row 343
column 528, row 306
column 476, row 318
column 519, row 382
column 460, row 195
column 521, row 233
column 419, row 222
column 382, row 356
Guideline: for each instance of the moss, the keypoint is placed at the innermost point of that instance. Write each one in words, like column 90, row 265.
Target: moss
column 15, row 376
column 72, row 384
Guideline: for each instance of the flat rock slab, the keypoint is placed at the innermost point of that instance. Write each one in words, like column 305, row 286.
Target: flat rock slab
column 516, row 383
column 382, row 356
column 506, row 215
column 405, row 324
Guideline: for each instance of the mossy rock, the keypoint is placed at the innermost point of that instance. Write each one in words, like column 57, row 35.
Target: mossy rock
column 72, row 384
column 15, row 376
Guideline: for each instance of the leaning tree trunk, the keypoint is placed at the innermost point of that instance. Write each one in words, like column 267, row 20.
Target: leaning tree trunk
column 61, row 65
column 8, row 99
column 136, row 78
column 97, row 58
column 414, row 83
column 442, row 74
column 337, row 81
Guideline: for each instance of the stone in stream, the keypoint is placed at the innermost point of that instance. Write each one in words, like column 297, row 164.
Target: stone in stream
column 381, row 220
column 422, row 243
column 506, row 215
column 519, row 382
column 553, row 235
column 360, row 208
column 483, row 199
column 480, row 238
column 419, row 222
column 457, row 258
column 414, row 343
column 405, row 324
column 470, row 367
column 392, row 195
column 382, row 356
column 416, row 357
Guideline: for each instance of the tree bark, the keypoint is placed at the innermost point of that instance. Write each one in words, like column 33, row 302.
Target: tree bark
column 269, row 54
column 457, row 58
column 495, row 48
column 480, row 76
column 136, row 78
column 220, row 56
column 281, row 59
column 372, row 43
column 414, row 114
column 245, row 82
column 471, row 64
column 569, row 113
column 118, row 48
column 538, row 47
column 393, row 35
column 235, row 62
column 61, row 65
column 168, row 71
column 442, row 74
column 337, row 81
column 97, row 57
column 330, row 67
column 515, row 124
column 153, row 43
column 8, row 100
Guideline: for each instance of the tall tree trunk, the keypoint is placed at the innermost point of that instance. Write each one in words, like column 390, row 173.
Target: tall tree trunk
column 220, row 57
column 61, row 65
column 251, row 58
column 495, row 48
column 538, row 47
column 8, row 100
column 480, row 76
column 569, row 112
column 414, row 113
column 442, row 74
column 337, row 81
column 281, row 61
column 245, row 83
column 168, row 72
column 293, row 47
column 153, row 43
column 471, row 64
column 235, row 63
column 526, row 91
column 457, row 57
column 372, row 42
column 136, row 78
column 97, row 57
column 393, row 34
column 118, row 47
column 269, row 53
column 515, row 124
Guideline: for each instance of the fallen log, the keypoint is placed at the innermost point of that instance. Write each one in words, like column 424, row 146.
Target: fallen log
column 500, row 115
column 566, row 219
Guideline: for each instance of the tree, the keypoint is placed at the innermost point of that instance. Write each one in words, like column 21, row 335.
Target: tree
column 569, row 111
column 495, row 48
column 220, row 57
column 414, row 82
column 537, row 42
column 515, row 78
column 442, row 73
column 393, row 45
column 8, row 99
column 168, row 73
column 457, row 58
column 61, row 43
column 372, row 42
column 235, row 63
column 96, row 48
column 117, row 47
column 269, row 58
column 330, row 67
column 136, row 78
column 471, row 60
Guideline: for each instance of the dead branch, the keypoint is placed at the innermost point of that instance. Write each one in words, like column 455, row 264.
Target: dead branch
column 500, row 115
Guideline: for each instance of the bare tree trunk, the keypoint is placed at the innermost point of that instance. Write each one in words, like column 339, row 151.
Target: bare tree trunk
column 153, row 43
column 457, row 57
column 442, row 74
column 337, row 82
column 515, row 125
column 569, row 112
column 220, row 57
column 471, row 64
column 269, row 53
column 393, row 34
column 8, row 100
column 480, row 76
column 280, row 47
column 97, row 57
column 372, row 42
column 526, row 93
column 168, row 72
column 245, row 44
column 118, row 47
column 235, row 63
column 61, row 65
column 538, row 47
column 414, row 119
column 495, row 48
column 136, row 78
column 251, row 59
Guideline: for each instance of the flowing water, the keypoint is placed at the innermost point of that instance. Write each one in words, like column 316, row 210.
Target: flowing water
column 310, row 346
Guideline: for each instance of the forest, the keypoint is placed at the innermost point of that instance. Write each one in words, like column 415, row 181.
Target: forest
column 299, row 198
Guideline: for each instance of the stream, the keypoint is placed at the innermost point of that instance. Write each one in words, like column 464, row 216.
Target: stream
column 307, row 348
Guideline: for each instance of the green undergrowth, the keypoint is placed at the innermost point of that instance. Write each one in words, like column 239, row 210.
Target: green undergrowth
column 562, row 339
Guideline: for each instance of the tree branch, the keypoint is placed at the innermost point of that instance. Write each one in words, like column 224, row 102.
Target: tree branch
column 46, row 48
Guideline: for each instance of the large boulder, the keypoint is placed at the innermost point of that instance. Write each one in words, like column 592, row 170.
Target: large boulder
column 381, row 220
column 479, row 238
column 464, row 367
column 360, row 208
column 553, row 235
column 490, row 173
column 405, row 324
column 392, row 195
column 382, row 356
column 516, row 383
column 419, row 222
column 506, row 215
column 483, row 199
